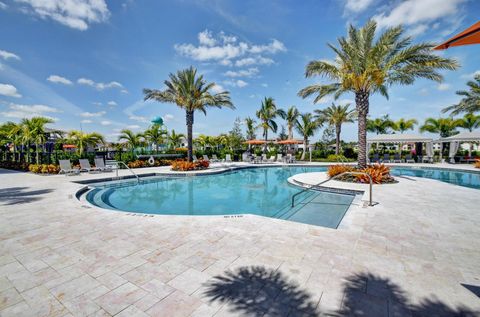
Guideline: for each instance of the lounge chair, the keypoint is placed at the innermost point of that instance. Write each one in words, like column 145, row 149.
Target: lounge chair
column 228, row 158
column 376, row 158
column 205, row 158
column 279, row 157
column 194, row 158
column 386, row 158
column 427, row 159
column 85, row 166
column 409, row 159
column 66, row 167
column 215, row 158
column 264, row 158
column 271, row 159
column 397, row 158
column 291, row 158
column 100, row 163
column 257, row 159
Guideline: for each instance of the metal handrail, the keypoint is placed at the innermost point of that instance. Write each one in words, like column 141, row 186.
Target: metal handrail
column 128, row 168
column 370, row 203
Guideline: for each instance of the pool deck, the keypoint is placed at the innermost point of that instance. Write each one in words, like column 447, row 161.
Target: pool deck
column 416, row 253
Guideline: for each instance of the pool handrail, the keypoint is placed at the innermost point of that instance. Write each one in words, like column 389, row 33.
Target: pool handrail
column 370, row 201
column 112, row 163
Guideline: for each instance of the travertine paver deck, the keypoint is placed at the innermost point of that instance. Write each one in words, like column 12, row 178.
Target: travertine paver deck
column 408, row 256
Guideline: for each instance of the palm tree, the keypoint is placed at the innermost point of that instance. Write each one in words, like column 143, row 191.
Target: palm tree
column 132, row 139
column 470, row 122
column 403, row 125
column 155, row 135
column 470, row 102
column 291, row 117
column 203, row 141
column 366, row 64
column 266, row 114
column 191, row 93
column 10, row 133
column 380, row 125
column 83, row 140
column 175, row 139
column 251, row 128
column 336, row 116
column 33, row 131
column 306, row 125
column 445, row 127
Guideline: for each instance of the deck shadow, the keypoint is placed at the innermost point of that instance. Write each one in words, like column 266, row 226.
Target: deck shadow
column 258, row 291
column 21, row 195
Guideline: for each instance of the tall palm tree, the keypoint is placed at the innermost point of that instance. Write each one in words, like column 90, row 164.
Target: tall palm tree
column 335, row 116
column 10, row 133
column 190, row 92
column 132, row 139
column 155, row 135
column 380, row 125
column 403, row 125
column 445, row 127
column 33, row 131
column 470, row 102
column 83, row 140
column 291, row 117
column 251, row 128
column 366, row 64
column 203, row 141
column 175, row 139
column 470, row 122
column 306, row 125
column 266, row 114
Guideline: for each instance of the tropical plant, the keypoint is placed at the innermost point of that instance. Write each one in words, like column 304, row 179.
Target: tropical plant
column 33, row 131
column 175, row 139
column 82, row 140
column 291, row 117
column 132, row 139
column 470, row 122
column 266, row 114
column 251, row 128
column 306, row 125
column 366, row 64
column 470, row 102
column 155, row 135
column 445, row 127
column 190, row 92
column 403, row 125
column 335, row 116
column 380, row 125
column 203, row 141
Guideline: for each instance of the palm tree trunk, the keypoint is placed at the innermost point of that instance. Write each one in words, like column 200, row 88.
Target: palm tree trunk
column 304, row 148
column 362, row 104
column 337, row 139
column 266, row 140
column 37, row 154
column 189, row 117
column 290, row 132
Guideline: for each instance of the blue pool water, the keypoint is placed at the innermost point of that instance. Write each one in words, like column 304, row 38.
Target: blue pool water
column 261, row 191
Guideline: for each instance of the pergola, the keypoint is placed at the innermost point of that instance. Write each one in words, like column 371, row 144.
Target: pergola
column 402, row 139
column 457, row 139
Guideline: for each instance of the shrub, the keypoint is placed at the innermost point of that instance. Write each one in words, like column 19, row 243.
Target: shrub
column 378, row 172
column 336, row 158
column 334, row 170
column 477, row 163
column 44, row 168
column 19, row 166
column 137, row 164
column 181, row 165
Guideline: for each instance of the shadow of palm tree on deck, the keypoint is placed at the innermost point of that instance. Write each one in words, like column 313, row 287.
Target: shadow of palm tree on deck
column 21, row 195
column 257, row 291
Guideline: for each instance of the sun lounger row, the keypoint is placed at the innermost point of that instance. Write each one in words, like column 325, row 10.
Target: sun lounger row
column 396, row 158
column 67, row 169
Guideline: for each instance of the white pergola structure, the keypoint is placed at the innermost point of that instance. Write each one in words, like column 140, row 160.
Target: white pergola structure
column 457, row 139
column 403, row 139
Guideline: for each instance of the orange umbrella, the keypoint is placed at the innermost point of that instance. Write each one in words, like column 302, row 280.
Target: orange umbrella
column 69, row 146
column 290, row 142
column 467, row 37
column 255, row 142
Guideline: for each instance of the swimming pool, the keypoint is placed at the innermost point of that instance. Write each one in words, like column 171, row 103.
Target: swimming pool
column 260, row 191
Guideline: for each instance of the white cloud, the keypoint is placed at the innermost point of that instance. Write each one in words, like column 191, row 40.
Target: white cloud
column 59, row 80
column 97, row 103
column 264, row 85
column 471, row 75
column 417, row 30
column 423, row 91
column 87, row 114
column 86, row 121
column 105, row 122
column 138, row 118
column 357, row 6
column 112, row 103
column 168, row 117
column 242, row 73
column 443, row 86
column 3, row 6
column 99, row 86
column 411, row 12
column 7, row 55
column 77, row 14
column 124, row 91
column 226, row 50
column 28, row 111
column 217, row 89
column 133, row 127
column 236, row 83
column 9, row 91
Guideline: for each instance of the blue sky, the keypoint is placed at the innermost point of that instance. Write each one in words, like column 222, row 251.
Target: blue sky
column 85, row 63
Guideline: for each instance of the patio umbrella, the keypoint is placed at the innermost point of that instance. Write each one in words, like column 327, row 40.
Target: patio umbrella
column 467, row 37
column 69, row 146
column 288, row 142
column 255, row 142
